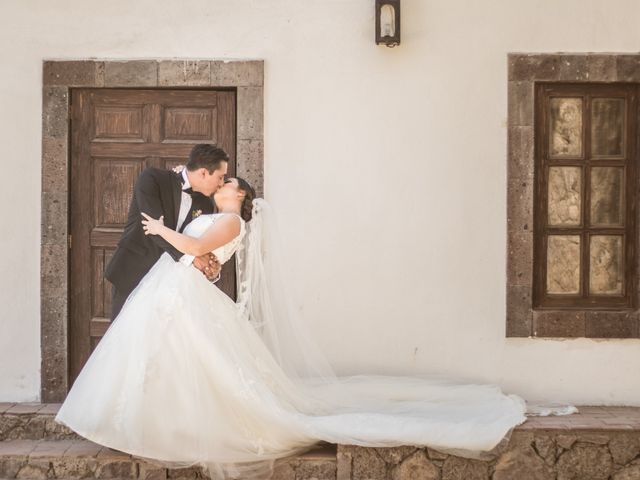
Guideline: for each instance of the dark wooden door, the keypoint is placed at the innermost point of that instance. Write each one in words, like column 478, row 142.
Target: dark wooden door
column 115, row 135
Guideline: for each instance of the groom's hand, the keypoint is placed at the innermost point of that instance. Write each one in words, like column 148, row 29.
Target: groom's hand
column 208, row 264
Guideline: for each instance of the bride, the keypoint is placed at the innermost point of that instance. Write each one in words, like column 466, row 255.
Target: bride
column 185, row 376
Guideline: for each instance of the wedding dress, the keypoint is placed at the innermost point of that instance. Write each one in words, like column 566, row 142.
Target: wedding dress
column 185, row 376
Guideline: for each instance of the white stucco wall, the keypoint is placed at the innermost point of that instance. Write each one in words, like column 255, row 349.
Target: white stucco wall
column 387, row 168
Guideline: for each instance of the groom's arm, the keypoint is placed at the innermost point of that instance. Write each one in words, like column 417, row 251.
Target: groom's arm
column 147, row 195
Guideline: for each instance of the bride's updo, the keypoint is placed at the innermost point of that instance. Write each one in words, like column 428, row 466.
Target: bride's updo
column 249, row 194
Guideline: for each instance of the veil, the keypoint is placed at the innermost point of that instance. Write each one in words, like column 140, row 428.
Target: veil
column 264, row 301
column 366, row 410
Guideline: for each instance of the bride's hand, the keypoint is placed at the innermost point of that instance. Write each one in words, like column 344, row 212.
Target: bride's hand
column 152, row 226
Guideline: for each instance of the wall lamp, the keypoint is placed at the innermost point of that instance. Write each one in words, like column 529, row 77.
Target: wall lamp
column 388, row 22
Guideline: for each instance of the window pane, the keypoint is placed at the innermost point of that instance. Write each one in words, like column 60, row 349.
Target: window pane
column 564, row 195
column 563, row 264
column 565, row 127
column 606, row 275
column 607, row 196
column 607, row 127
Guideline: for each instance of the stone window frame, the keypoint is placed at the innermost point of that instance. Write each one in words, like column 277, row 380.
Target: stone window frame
column 59, row 77
column 524, row 70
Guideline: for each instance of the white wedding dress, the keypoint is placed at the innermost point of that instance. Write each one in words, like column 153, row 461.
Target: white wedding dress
column 186, row 376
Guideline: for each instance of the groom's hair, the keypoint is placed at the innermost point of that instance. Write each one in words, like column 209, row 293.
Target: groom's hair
column 206, row 155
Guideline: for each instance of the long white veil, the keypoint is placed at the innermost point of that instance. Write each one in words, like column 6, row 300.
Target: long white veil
column 265, row 300
column 466, row 419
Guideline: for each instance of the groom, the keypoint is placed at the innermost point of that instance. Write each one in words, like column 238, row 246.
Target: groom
column 179, row 197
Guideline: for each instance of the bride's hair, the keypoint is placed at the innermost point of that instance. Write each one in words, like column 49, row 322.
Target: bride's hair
column 249, row 194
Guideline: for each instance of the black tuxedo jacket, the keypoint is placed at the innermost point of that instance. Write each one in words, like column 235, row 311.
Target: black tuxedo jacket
column 157, row 192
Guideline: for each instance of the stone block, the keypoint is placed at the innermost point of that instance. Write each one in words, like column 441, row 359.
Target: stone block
column 54, row 218
column 148, row 471
column 25, row 408
column 9, row 427
column 602, row 68
column 367, row 465
column 624, row 447
column 250, row 163
column 521, row 464
column 628, row 68
column 316, row 470
column 10, row 466
column 250, row 111
column 519, row 314
column 55, row 431
column 520, row 259
column 248, row 73
column 283, row 470
column 632, row 472
column 344, row 461
column 4, row 406
column 35, row 470
column 520, row 104
column 50, row 448
column 585, row 461
column 177, row 73
column 573, row 68
column 559, row 324
column 17, row 448
column 67, row 467
column 416, row 467
column 55, row 112
column 53, row 269
column 134, row 73
column 566, row 441
column 545, row 446
column 54, row 165
column 436, row 455
column 611, row 324
column 395, row 455
column 455, row 468
column 520, row 205
column 50, row 409
column 83, row 449
column 520, row 163
column 29, row 428
column 116, row 469
column 81, row 73
column 534, row 67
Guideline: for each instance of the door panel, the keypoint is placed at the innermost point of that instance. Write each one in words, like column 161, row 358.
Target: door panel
column 115, row 135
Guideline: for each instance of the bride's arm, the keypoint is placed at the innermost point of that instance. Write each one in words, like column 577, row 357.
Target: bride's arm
column 221, row 232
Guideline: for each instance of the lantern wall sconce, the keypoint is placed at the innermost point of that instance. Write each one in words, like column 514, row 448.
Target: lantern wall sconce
column 388, row 22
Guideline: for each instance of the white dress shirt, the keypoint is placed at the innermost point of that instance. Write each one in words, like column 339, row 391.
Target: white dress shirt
column 185, row 208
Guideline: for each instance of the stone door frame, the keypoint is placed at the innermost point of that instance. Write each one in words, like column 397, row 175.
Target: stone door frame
column 245, row 76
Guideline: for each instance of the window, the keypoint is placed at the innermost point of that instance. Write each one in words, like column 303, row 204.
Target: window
column 584, row 196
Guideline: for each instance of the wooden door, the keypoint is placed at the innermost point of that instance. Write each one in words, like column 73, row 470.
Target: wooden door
column 115, row 135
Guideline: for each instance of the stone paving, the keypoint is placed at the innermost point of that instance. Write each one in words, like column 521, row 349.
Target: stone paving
column 597, row 443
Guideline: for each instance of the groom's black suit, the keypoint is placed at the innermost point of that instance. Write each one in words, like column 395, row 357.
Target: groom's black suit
column 157, row 192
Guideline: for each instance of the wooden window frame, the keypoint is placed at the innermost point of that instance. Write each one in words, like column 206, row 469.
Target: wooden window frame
column 585, row 91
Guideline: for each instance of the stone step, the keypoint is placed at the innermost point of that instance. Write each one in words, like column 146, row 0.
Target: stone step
column 32, row 421
column 598, row 442
column 74, row 459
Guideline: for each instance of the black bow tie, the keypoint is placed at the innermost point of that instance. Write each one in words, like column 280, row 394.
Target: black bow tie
column 188, row 190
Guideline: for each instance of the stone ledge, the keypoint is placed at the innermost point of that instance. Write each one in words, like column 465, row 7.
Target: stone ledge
column 599, row 442
column 65, row 459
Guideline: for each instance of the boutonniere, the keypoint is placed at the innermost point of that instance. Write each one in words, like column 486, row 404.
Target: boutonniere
column 196, row 213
